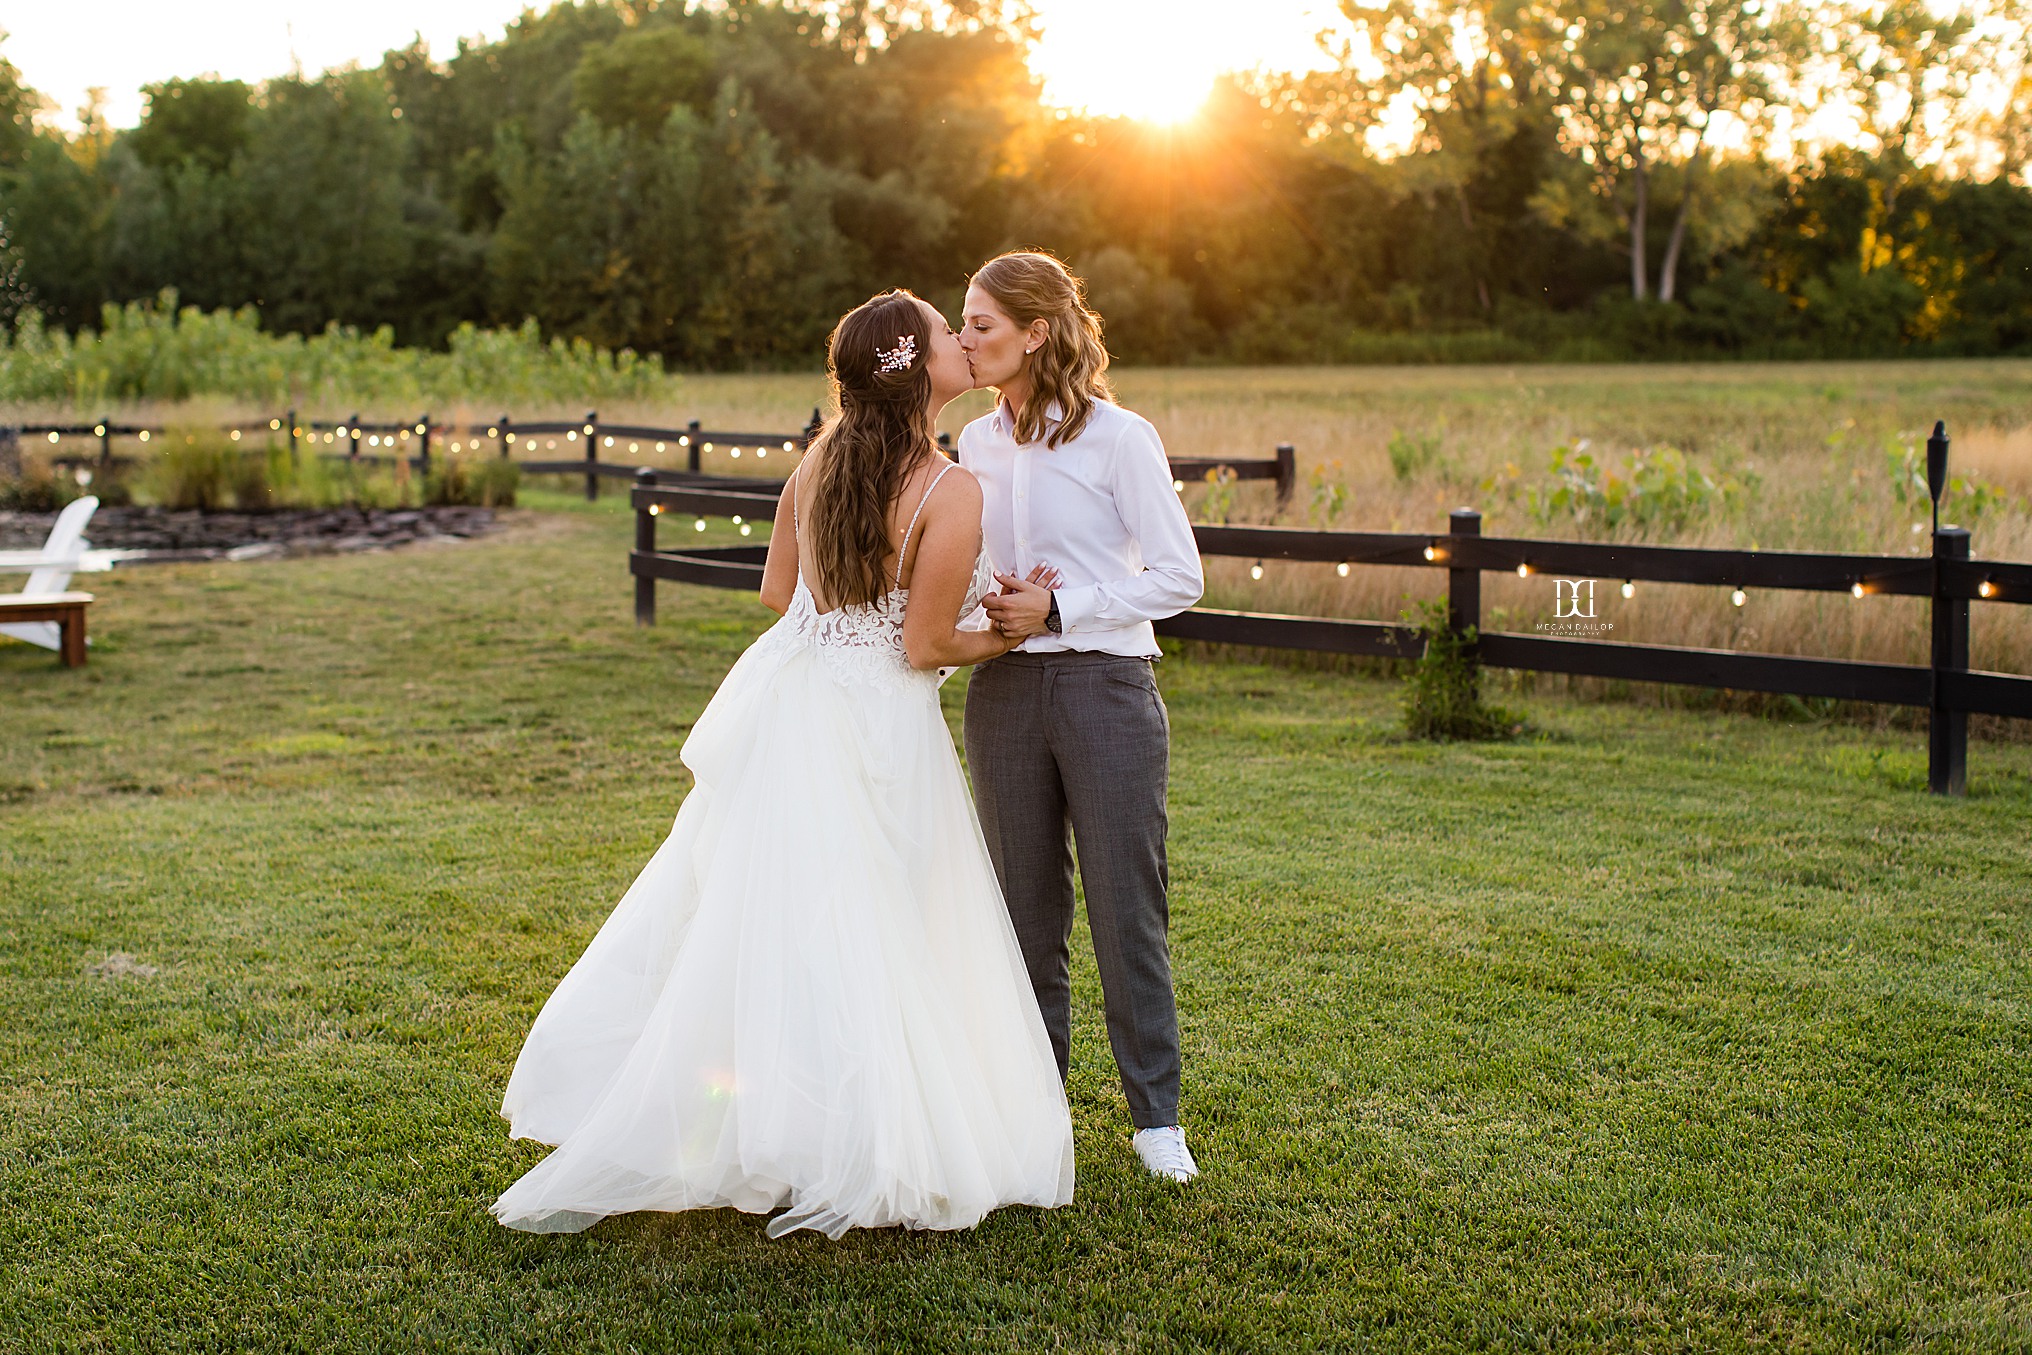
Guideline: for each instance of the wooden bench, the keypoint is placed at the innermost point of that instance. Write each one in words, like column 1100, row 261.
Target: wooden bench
column 66, row 609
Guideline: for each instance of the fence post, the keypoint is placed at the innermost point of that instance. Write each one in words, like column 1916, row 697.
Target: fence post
column 295, row 457
column 1287, row 474
column 505, row 430
column 106, row 442
column 691, row 437
column 1463, row 586
column 353, row 436
column 423, row 454
column 1946, row 728
column 10, row 452
column 645, row 544
column 591, row 429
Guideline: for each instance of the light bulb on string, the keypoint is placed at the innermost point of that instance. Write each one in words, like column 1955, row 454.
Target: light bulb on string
column 1523, row 571
column 1856, row 589
column 1629, row 589
column 1986, row 589
column 1178, row 485
column 53, row 435
column 699, row 526
column 655, row 510
column 1739, row 597
column 1341, row 569
column 746, row 528
column 1256, row 570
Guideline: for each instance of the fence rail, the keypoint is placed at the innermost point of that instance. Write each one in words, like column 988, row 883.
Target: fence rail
column 501, row 437
column 1945, row 686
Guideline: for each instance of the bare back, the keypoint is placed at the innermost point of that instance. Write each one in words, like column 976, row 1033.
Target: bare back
column 905, row 519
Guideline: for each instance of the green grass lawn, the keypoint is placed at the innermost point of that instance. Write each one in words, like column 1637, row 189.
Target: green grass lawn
column 1659, row 1030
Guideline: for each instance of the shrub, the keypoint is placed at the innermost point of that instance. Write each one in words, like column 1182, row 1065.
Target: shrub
column 1443, row 692
column 192, row 472
column 1411, row 453
column 479, row 483
column 1651, row 490
column 37, row 490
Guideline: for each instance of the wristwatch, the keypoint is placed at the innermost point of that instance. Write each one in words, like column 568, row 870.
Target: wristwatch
column 1051, row 621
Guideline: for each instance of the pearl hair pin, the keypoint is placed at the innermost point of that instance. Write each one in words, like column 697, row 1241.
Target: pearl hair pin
column 891, row 360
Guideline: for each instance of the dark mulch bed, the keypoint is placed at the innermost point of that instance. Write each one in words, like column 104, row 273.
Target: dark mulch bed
column 196, row 535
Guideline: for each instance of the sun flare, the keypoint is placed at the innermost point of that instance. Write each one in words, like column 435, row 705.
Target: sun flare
column 1157, row 60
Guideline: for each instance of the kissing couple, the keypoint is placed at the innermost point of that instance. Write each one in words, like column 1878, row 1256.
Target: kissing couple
column 841, row 987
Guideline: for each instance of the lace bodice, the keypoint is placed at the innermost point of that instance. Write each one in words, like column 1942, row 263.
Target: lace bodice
column 864, row 641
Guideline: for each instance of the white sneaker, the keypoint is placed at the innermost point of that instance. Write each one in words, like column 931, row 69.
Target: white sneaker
column 1164, row 1152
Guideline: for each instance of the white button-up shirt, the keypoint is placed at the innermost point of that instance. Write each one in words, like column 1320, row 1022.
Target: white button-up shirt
column 1101, row 509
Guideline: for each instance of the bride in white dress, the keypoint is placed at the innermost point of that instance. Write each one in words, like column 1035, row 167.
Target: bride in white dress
column 811, row 996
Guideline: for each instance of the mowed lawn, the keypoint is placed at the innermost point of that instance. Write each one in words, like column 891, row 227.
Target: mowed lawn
column 1657, row 1030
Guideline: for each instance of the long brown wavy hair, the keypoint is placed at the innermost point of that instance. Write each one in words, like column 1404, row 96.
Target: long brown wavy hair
column 856, row 466
column 1070, row 368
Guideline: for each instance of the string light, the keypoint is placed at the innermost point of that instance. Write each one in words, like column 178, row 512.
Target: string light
column 1256, row 570
column 659, row 446
column 1523, row 571
column 99, row 430
column 1986, row 589
column 274, row 426
column 699, row 526
column 746, row 528
column 509, row 439
column 607, row 441
column 1341, row 569
column 493, row 432
column 234, row 435
column 655, row 509
column 144, row 435
column 1739, row 597
column 708, row 447
column 684, row 442
column 1178, row 485
column 296, row 432
column 787, row 447
column 737, row 519
column 52, row 435
column 734, row 451
column 373, row 439
column 1856, row 588
column 634, row 447
column 589, row 432
column 1629, row 589
column 571, row 436
column 340, row 430
column 1432, row 552
column 761, row 452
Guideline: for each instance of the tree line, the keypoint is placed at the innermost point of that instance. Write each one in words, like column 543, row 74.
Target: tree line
column 714, row 185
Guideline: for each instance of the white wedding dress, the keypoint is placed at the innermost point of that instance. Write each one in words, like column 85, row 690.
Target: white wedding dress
column 811, row 996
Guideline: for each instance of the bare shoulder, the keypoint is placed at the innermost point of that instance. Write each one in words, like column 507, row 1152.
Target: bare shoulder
column 958, row 489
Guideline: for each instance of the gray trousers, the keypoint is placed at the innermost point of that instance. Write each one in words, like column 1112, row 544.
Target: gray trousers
column 1082, row 741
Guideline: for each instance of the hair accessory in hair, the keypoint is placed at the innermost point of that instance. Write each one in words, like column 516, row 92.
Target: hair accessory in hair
column 899, row 358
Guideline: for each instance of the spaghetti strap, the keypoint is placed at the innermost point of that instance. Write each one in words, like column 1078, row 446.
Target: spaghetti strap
column 904, row 549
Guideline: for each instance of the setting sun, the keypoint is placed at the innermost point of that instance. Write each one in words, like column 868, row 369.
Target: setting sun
column 1157, row 59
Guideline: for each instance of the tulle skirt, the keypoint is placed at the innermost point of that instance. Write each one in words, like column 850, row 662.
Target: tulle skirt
column 811, row 997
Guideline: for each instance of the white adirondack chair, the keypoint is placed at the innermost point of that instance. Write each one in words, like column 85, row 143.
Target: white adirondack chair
column 50, row 568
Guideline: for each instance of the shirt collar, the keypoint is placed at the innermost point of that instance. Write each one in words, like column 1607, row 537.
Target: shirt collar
column 1004, row 420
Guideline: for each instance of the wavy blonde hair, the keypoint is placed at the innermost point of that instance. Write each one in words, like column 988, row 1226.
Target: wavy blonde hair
column 857, row 464
column 1070, row 369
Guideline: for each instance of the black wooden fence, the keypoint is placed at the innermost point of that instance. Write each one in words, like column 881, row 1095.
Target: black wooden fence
column 414, row 440
column 1945, row 687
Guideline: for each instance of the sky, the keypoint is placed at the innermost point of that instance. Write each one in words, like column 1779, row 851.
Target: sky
column 1134, row 57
